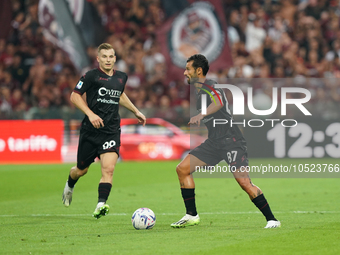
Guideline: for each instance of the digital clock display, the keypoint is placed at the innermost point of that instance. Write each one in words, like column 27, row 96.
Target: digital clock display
column 308, row 139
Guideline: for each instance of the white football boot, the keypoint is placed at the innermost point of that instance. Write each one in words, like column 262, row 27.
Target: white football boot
column 273, row 224
column 67, row 195
column 187, row 220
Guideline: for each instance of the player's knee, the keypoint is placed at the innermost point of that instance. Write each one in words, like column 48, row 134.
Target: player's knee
column 108, row 170
column 80, row 172
column 181, row 170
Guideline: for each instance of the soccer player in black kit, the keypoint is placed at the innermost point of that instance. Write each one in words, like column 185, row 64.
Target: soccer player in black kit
column 100, row 129
column 224, row 143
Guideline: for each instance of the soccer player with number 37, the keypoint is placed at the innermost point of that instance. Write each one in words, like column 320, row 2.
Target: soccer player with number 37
column 223, row 143
column 100, row 129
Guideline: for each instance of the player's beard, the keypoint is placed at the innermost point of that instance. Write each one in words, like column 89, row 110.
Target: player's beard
column 193, row 80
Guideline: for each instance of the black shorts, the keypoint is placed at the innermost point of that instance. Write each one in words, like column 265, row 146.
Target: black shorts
column 233, row 152
column 92, row 144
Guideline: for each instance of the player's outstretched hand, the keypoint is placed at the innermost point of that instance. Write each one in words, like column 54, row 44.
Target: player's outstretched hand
column 96, row 121
column 141, row 118
column 196, row 120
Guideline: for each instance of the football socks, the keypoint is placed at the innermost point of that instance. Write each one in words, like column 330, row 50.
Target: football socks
column 261, row 203
column 71, row 182
column 103, row 191
column 189, row 201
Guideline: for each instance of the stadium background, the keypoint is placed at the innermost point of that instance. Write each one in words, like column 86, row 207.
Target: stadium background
column 295, row 39
column 270, row 40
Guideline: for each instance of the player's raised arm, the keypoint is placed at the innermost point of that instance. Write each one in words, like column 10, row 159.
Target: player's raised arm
column 125, row 101
column 79, row 102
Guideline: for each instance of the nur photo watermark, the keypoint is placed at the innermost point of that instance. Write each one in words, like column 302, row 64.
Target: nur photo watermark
column 239, row 102
column 285, row 122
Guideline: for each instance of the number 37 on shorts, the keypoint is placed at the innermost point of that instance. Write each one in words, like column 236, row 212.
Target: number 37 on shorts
column 237, row 157
column 231, row 156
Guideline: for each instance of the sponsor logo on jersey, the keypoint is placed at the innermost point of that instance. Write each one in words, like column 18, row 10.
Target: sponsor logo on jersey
column 79, row 85
column 105, row 101
column 110, row 92
column 103, row 79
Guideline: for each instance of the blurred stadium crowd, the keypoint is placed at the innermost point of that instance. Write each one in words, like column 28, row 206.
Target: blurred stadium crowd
column 268, row 39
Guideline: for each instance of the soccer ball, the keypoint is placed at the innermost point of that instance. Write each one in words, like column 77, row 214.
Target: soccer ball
column 143, row 218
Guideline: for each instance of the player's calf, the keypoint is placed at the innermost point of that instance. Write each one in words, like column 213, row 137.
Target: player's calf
column 252, row 190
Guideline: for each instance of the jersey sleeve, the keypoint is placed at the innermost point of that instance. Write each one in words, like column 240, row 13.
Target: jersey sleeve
column 124, row 82
column 83, row 84
column 213, row 90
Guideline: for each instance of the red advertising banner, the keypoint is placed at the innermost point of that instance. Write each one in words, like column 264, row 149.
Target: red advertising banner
column 37, row 141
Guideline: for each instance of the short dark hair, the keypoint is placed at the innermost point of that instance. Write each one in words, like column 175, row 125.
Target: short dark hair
column 199, row 61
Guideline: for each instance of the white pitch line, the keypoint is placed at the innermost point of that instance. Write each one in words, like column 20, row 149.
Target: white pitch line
column 165, row 214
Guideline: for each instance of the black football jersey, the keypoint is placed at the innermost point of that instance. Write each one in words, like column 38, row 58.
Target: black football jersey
column 102, row 95
column 221, row 133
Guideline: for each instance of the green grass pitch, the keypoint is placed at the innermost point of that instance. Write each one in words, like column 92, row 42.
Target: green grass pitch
column 34, row 221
